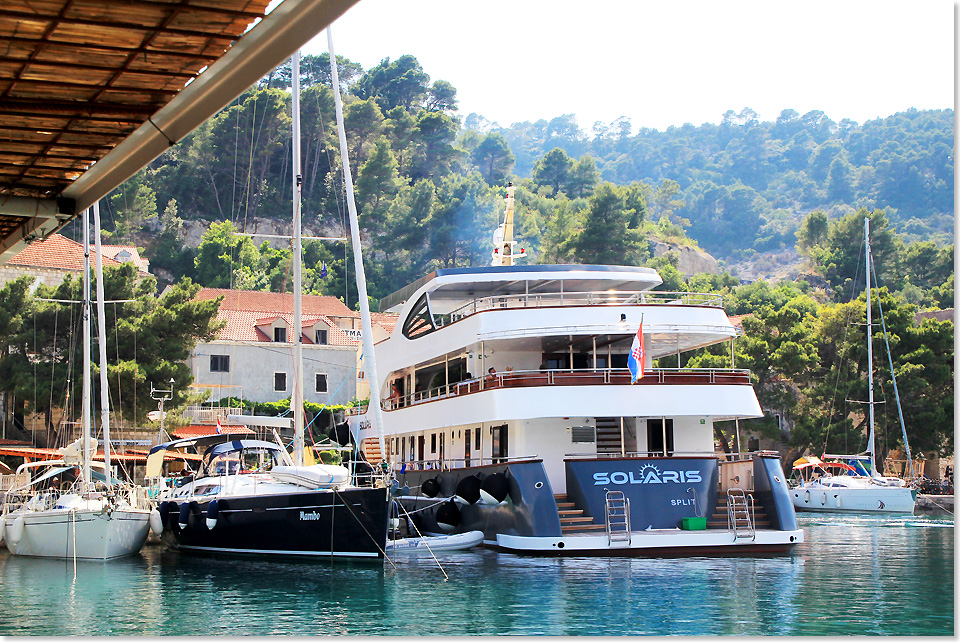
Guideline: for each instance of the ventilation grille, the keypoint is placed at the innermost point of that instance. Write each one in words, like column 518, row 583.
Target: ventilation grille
column 583, row 434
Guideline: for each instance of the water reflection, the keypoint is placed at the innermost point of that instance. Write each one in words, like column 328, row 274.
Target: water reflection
column 851, row 576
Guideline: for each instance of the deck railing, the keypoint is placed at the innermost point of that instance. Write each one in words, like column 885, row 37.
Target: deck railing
column 589, row 377
column 453, row 463
column 577, row 299
column 732, row 464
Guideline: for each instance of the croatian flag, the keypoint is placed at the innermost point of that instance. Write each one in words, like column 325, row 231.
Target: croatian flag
column 219, row 425
column 635, row 359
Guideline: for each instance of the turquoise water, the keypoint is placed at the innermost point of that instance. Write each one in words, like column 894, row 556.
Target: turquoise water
column 852, row 576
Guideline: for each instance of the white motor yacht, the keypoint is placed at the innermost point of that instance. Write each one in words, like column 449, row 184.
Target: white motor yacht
column 523, row 402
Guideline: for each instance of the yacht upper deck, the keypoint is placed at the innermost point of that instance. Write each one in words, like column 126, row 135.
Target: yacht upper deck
column 456, row 287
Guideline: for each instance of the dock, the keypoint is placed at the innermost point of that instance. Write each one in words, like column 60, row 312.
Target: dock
column 935, row 504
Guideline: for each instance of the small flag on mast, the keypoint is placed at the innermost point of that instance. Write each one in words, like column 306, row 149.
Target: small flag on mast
column 636, row 357
column 323, row 269
column 219, row 425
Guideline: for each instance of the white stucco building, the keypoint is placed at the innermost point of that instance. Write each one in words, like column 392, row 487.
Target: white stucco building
column 254, row 351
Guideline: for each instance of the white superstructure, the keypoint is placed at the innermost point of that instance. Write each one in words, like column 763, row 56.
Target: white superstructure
column 557, row 337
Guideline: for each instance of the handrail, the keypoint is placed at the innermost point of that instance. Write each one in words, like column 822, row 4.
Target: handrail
column 451, row 463
column 578, row 299
column 570, row 377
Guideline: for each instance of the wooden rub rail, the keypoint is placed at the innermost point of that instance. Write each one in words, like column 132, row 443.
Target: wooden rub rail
column 540, row 378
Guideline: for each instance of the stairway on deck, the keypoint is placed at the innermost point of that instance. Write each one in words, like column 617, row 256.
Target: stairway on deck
column 719, row 519
column 572, row 519
column 608, row 436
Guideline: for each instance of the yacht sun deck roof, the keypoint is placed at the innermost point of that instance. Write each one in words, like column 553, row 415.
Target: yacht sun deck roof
column 468, row 283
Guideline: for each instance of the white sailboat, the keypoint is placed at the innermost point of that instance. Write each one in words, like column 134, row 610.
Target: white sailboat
column 87, row 520
column 860, row 489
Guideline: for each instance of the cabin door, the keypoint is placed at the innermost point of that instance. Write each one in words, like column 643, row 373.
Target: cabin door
column 498, row 444
column 655, row 437
column 466, row 447
column 421, row 441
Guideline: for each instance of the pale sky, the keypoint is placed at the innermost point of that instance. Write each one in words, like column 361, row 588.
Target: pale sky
column 665, row 63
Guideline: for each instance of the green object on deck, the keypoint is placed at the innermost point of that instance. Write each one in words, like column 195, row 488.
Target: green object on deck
column 694, row 524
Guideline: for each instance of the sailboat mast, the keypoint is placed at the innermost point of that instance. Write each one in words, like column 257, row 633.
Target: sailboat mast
column 369, row 366
column 102, row 337
column 297, row 394
column 85, row 414
column 871, row 447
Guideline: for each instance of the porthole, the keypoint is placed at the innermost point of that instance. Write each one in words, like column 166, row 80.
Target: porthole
column 777, row 479
column 560, row 545
column 538, row 485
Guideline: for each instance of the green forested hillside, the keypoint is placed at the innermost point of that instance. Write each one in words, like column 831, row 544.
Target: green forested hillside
column 430, row 189
column 744, row 182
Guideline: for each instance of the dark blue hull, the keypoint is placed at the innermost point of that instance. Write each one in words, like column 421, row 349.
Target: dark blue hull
column 322, row 523
column 662, row 493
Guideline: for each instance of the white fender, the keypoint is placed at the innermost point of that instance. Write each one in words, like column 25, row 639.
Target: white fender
column 16, row 530
column 806, row 498
column 823, row 500
column 3, row 524
column 156, row 524
column 211, row 523
column 839, row 502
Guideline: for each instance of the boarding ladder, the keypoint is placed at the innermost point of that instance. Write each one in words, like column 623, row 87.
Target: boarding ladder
column 740, row 514
column 617, row 517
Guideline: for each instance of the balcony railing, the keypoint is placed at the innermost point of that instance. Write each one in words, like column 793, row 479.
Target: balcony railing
column 578, row 299
column 541, row 378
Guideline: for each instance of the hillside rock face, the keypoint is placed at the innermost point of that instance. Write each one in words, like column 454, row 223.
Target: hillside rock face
column 692, row 260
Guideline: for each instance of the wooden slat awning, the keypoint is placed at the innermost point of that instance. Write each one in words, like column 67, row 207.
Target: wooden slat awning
column 93, row 90
column 79, row 76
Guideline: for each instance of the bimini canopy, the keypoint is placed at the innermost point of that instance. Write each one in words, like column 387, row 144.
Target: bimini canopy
column 155, row 458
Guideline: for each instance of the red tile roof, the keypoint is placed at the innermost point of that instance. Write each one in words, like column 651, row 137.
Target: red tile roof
column 112, row 251
column 385, row 320
column 57, row 252
column 244, row 310
column 273, row 303
column 737, row 320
